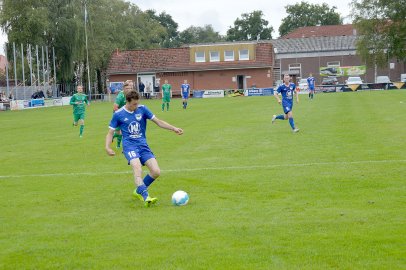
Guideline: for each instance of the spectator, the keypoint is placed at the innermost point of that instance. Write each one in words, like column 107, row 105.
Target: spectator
column 11, row 96
column 141, row 87
column 3, row 96
column 148, row 90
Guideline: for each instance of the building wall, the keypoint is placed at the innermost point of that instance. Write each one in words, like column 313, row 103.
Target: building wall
column 312, row 65
column 209, row 80
column 122, row 77
column 219, row 79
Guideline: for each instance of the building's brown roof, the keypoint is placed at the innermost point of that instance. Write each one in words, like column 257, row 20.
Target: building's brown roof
column 177, row 60
column 322, row 31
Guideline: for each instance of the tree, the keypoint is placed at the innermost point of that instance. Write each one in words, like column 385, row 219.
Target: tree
column 60, row 24
column 381, row 27
column 198, row 34
column 305, row 14
column 170, row 39
column 250, row 27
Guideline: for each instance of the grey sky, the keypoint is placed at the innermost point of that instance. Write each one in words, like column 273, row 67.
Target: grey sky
column 221, row 14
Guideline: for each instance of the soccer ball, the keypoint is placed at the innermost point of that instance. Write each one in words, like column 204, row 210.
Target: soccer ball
column 180, row 198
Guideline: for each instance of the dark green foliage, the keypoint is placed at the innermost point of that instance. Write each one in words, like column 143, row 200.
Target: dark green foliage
column 381, row 27
column 305, row 14
column 251, row 26
column 197, row 34
column 60, row 24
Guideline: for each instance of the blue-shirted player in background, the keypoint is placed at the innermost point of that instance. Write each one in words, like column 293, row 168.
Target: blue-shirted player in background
column 132, row 120
column 185, row 89
column 310, row 83
column 287, row 90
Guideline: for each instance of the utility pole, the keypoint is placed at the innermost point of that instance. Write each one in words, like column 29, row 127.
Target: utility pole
column 87, row 55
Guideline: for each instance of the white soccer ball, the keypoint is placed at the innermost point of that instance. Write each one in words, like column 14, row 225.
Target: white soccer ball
column 180, row 198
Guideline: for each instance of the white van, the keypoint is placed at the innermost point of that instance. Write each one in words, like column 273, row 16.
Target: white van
column 383, row 79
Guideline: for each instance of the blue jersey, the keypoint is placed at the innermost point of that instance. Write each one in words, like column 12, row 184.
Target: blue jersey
column 133, row 125
column 287, row 92
column 310, row 82
column 185, row 90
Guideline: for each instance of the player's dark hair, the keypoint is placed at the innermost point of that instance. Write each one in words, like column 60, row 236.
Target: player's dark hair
column 132, row 95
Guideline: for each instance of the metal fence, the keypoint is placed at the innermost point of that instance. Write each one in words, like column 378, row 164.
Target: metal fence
column 47, row 91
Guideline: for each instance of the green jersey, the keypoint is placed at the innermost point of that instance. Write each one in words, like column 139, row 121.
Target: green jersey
column 166, row 90
column 78, row 101
column 120, row 99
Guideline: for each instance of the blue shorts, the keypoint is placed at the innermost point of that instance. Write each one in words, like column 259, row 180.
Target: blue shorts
column 287, row 106
column 311, row 88
column 142, row 152
column 185, row 96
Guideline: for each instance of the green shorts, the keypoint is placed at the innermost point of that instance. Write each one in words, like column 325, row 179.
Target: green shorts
column 77, row 116
column 166, row 99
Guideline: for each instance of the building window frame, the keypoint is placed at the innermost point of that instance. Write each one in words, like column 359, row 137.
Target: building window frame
column 333, row 64
column 229, row 57
column 200, row 57
column 242, row 56
column 214, row 58
column 296, row 66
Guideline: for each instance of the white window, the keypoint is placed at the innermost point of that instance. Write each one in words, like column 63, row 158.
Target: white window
column 228, row 55
column 200, row 57
column 214, row 56
column 296, row 69
column 244, row 55
column 333, row 64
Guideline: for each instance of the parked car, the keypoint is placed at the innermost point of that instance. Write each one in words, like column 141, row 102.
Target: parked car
column 302, row 85
column 382, row 79
column 354, row 80
column 403, row 77
column 329, row 81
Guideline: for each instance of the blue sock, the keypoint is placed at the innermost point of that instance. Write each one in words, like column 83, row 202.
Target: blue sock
column 185, row 105
column 281, row 116
column 148, row 180
column 143, row 191
column 292, row 123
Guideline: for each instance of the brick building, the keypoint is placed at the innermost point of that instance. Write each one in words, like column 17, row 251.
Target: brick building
column 241, row 65
column 309, row 49
column 228, row 65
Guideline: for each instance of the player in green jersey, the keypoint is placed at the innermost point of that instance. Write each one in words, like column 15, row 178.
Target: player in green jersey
column 166, row 95
column 118, row 103
column 79, row 102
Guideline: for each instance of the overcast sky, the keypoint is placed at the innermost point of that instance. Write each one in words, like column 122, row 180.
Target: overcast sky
column 221, row 14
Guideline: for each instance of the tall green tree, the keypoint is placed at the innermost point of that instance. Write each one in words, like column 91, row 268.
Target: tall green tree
column 305, row 14
column 251, row 26
column 198, row 34
column 381, row 26
column 60, row 24
column 170, row 39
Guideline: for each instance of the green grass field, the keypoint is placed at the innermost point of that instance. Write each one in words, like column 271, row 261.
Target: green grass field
column 329, row 197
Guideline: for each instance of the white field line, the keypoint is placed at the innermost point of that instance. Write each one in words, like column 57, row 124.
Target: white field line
column 251, row 167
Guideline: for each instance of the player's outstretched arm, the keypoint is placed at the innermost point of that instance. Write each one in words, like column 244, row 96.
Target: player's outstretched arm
column 109, row 138
column 162, row 124
column 277, row 97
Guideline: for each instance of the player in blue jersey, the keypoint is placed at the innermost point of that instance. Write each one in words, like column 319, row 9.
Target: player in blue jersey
column 185, row 89
column 132, row 120
column 287, row 90
column 310, row 83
